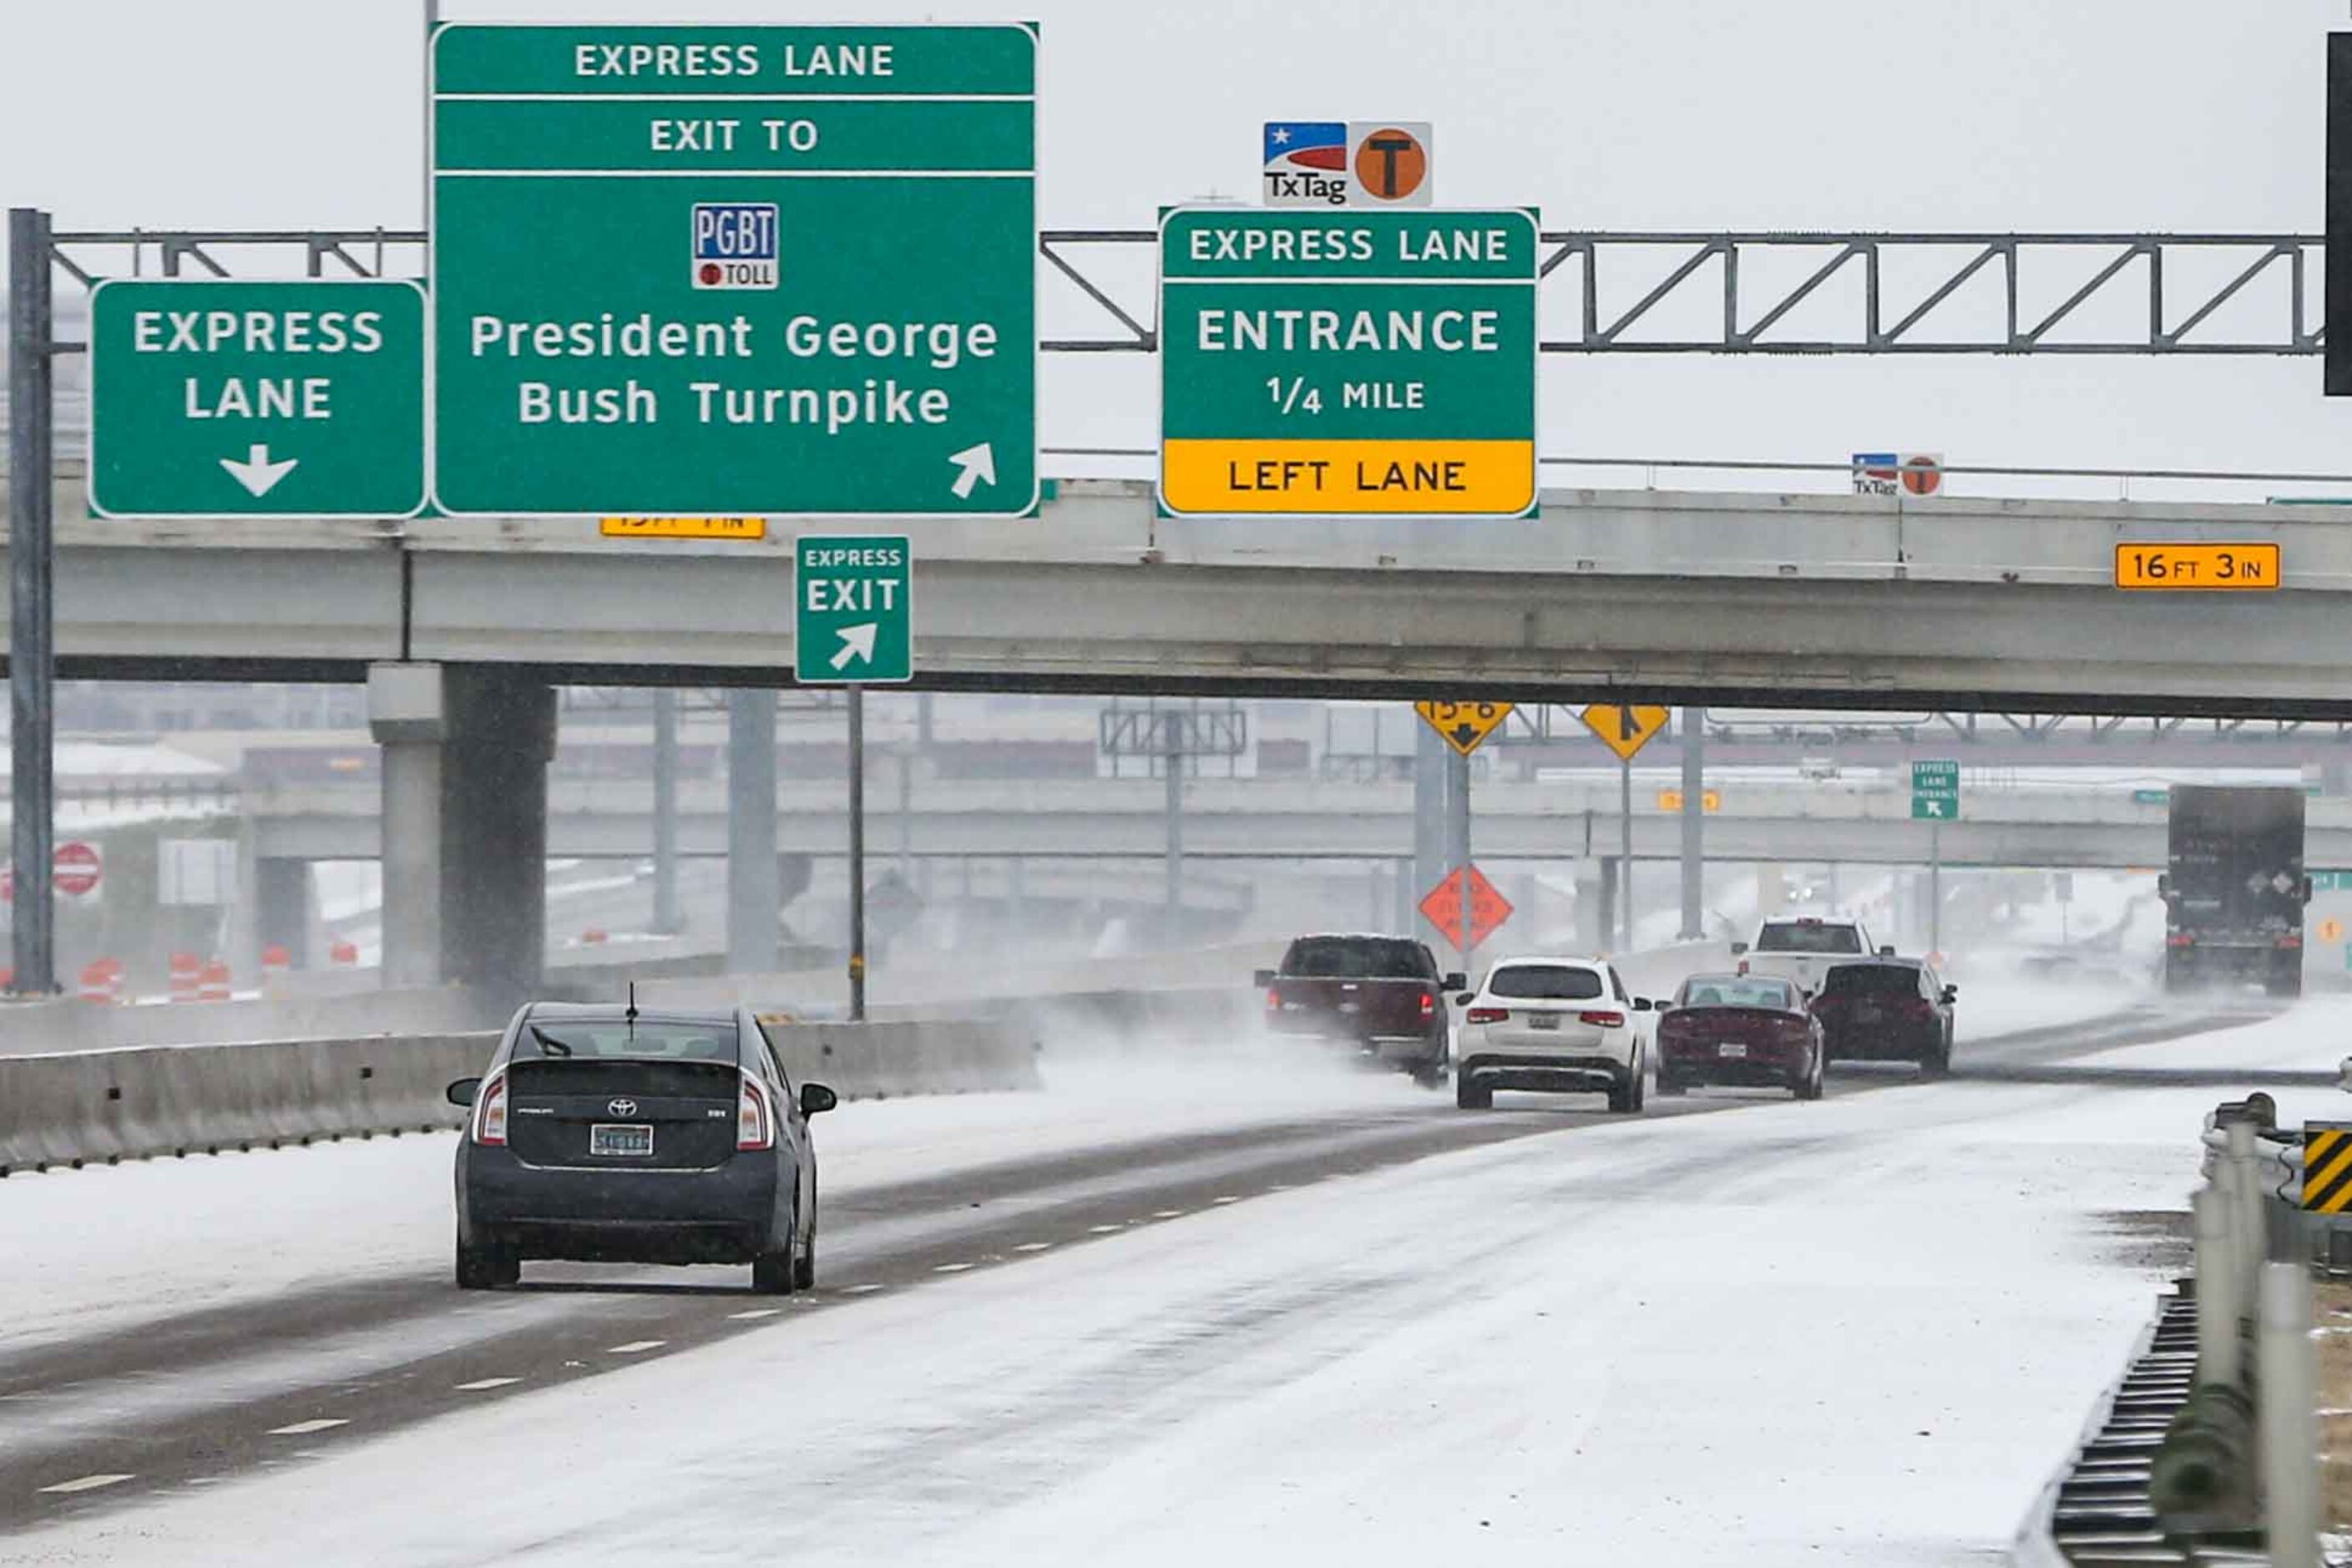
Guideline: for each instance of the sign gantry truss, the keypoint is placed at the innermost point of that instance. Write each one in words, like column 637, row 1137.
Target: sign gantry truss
column 1744, row 292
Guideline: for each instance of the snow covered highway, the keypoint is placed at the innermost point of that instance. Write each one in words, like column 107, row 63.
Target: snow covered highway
column 1160, row 1310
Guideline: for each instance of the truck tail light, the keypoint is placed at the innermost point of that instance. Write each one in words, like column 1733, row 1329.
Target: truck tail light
column 490, row 1113
column 1273, row 999
column 2292, row 939
column 2179, row 938
column 1429, row 1004
column 1486, row 1014
column 754, row 1128
column 1602, row 1019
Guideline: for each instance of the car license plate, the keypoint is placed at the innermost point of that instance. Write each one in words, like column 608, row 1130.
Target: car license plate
column 1543, row 1020
column 1731, row 1050
column 608, row 1137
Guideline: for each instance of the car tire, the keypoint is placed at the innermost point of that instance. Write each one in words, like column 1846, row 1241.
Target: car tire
column 1673, row 1088
column 1625, row 1096
column 487, row 1266
column 1938, row 1061
column 804, row 1267
column 1810, row 1086
column 777, row 1273
column 1430, row 1075
column 1469, row 1095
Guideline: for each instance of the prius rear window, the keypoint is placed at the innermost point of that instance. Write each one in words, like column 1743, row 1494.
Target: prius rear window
column 648, row 1039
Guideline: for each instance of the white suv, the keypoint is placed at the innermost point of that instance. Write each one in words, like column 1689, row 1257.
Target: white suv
column 1804, row 948
column 1562, row 1025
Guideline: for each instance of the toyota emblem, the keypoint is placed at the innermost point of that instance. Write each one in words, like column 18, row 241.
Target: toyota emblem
column 622, row 1108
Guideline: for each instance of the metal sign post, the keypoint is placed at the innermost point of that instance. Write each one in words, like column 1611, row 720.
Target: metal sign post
column 1625, row 855
column 31, row 566
column 856, row 855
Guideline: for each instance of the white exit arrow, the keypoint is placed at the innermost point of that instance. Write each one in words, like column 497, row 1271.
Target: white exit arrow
column 856, row 643
column 977, row 465
column 257, row 473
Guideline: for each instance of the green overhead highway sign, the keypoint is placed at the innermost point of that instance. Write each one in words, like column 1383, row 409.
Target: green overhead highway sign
column 1935, row 791
column 780, row 270
column 237, row 397
column 853, row 610
column 1343, row 363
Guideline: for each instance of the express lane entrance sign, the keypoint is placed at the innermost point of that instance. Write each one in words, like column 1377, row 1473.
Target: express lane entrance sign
column 734, row 269
column 238, row 397
column 1345, row 363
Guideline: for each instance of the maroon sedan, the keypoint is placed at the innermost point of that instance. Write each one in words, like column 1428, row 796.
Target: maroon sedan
column 1751, row 1030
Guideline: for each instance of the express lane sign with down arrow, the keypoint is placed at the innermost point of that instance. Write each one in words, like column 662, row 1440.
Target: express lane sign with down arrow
column 852, row 611
column 239, row 397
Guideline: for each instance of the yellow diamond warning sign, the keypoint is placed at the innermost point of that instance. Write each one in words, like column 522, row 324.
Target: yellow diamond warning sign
column 1464, row 725
column 1623, row 730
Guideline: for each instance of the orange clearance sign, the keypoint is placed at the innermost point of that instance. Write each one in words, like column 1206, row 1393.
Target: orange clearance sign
column 2331, row 930
column 1488, row 909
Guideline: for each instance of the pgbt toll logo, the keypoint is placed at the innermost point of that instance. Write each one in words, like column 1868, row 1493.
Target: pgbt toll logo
column 734, row 245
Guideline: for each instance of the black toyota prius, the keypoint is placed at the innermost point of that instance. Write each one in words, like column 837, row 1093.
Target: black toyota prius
column 604, row 1133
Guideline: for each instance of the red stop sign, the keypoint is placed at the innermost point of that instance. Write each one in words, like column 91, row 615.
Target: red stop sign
column 75, row 868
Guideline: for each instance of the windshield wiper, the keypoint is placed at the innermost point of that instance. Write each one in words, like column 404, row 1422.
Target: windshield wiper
column 549, row 1043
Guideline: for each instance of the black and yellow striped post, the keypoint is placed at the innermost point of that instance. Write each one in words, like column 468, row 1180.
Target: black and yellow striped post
column 2326, row 1167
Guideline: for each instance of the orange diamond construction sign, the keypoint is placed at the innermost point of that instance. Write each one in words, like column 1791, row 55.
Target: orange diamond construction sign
column 1441, row 906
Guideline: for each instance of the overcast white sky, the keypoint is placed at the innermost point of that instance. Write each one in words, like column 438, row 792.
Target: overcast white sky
column 1957, row 114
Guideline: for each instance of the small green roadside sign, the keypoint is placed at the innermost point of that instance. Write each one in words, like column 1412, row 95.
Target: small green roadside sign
column 1316, row 364
column 852, row 611
column 1935, row 791
column 242, row 397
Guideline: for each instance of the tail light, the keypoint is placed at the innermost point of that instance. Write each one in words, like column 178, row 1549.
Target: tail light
column 2179, row 938
column 2293, row 939
column 754, row 1128
column 490, row 1112
column 1602, row 1020
column 1486, row 1014
column 1428, row 1003
column 1273, row 999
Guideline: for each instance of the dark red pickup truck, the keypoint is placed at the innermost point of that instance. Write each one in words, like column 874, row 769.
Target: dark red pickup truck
column 1382, row 994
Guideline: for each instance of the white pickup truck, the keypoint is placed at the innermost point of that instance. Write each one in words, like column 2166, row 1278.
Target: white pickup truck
column 1804, row 947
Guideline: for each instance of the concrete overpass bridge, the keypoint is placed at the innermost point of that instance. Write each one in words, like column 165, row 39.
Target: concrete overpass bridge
column 1066, row 820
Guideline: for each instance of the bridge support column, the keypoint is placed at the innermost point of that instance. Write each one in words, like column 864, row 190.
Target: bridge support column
column 754, row 897
column 666, row 916
column 408, row 716
column 502, row 736
column 1693, row 823
column 282, row 914
column 1429, row 821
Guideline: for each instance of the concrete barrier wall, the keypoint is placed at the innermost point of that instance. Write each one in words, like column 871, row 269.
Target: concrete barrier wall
column 76, row 1107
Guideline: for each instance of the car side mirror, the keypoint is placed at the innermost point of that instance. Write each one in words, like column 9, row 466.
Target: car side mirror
column 1261, row 978
column 1454, row 981
column 462, row 1092
column 1643, row 1005
column 815, row 1099
column 1737, row 948
column 1886, row 951
column 1951, row 993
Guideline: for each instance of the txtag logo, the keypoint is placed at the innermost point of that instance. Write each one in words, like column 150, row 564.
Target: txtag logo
column 734, row 245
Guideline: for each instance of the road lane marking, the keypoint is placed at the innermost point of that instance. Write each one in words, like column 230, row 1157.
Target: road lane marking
column 479, row 1384
column 861, row 1290
column 753, row 1315
column 304, row 1429
column 1033, row 1247
column 1102, row 1229
column 1168, row 1213
column 636, row 1347
column 950, row 1267
column 1228, row 1198
column 87, row 1484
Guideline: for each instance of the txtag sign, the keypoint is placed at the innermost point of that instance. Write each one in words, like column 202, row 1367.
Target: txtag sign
column 1347, row 164
column 853, row 615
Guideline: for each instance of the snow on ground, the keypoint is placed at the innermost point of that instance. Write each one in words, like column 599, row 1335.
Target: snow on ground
column 105, row 1246
column 1861, row 1331
column 1995, row 1000
column 2313, row 1034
